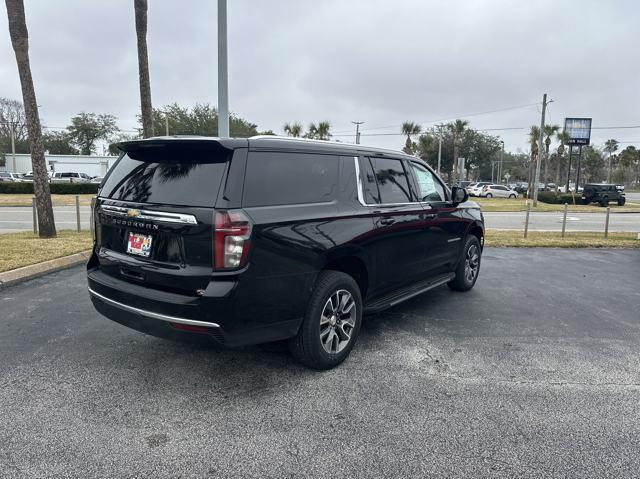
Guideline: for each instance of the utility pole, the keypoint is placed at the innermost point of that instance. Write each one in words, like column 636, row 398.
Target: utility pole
column 492, row 165
column 501, row 160
column 578, row 167
column 357, row 123
column 13, row 147
column 439, row 148
column 166, row 125
column 223, row 85
column 540, row 151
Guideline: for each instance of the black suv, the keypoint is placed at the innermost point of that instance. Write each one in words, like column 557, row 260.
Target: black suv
column 244, row 241
column 603, row 194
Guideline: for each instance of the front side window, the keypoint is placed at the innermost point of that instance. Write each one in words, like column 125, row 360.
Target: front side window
column 391, row 179
column 279, row 178
column 430, row 189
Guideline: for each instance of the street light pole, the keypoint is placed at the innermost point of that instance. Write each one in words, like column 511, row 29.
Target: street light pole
column 223, row 86
column 13, row 147
column 439, row 148
column 357, row 123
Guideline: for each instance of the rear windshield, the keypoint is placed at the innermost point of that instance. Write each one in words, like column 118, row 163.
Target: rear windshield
column 184, row 175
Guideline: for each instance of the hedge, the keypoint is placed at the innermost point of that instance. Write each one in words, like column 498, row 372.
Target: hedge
column 559, row 199
column 56, row 188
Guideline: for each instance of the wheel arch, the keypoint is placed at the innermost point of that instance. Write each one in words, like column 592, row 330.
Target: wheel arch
column 353, row 262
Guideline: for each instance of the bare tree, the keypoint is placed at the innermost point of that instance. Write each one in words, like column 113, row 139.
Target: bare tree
column 20, row 41
column 140, row 7
column 12, row 115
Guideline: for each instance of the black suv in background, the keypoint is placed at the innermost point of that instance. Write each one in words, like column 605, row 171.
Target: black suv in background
column 242, row 241
column 603, row 194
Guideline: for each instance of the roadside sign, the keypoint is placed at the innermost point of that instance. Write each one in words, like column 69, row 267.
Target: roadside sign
column 579, row 130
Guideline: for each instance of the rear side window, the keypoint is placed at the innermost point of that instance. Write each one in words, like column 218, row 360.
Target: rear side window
column 391, row 180
column 278, row 178
column 175, row 175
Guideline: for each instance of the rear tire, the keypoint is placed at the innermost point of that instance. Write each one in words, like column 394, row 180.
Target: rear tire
column 468, row 265
column 331, row 324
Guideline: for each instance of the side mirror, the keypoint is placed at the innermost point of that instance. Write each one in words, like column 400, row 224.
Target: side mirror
column 459, row 195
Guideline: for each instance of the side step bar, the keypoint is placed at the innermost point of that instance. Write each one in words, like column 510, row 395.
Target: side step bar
column 407, row 292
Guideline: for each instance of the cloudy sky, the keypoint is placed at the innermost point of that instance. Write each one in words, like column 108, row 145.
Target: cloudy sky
column 381, row 62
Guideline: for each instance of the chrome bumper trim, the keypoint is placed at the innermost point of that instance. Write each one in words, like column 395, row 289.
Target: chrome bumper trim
column 151, row 314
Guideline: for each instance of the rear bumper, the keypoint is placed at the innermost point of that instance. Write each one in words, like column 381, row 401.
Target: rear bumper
column 211, row 318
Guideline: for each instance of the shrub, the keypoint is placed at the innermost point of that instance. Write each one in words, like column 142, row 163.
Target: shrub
column 56, row 188
column 559, row 199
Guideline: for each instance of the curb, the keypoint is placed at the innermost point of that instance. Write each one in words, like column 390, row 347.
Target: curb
column 19, row 275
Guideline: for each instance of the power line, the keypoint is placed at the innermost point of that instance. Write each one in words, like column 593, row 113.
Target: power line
column 453, row 117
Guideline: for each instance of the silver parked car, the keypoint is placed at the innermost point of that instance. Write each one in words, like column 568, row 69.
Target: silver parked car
column 11, row 177
column 498, row 191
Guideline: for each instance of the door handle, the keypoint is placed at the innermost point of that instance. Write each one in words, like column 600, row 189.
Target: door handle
column 431, row 216
column 386, row 221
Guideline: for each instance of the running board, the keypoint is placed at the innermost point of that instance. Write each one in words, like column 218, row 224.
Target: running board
column 407, row 292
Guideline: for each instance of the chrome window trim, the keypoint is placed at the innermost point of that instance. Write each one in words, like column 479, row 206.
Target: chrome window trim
column 162, row 216
column 376, row 205
column 151, row 314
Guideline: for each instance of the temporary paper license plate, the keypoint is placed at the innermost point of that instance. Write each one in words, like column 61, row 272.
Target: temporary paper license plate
column 139, row 244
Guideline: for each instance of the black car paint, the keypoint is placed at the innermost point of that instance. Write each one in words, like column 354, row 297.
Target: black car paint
column 386, row 246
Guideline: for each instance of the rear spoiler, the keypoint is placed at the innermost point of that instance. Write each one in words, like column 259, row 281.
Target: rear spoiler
column 170, row 143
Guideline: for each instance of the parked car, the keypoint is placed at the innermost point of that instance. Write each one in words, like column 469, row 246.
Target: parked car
column 243, row 241
column 97, row 179
column 477, row 188
column 11, row 177
column 70, row 177
column 498, row 191
column 602, row 193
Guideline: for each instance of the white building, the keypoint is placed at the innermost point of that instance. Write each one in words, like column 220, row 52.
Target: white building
column 91, row 165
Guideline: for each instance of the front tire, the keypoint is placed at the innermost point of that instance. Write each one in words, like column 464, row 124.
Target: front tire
column 621, row 201
column 605, row 202
column 331, row 324
column 468, row 266
column 512, row 197
column 488, row 195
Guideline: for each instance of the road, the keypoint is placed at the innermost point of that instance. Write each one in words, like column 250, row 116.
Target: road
column 553, row 221
column 534, row 373
column 20, row 219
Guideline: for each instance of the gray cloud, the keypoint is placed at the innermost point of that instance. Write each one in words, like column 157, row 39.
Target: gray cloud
column 382, row 62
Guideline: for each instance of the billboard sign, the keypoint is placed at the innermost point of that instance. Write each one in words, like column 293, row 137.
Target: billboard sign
column 579, row 130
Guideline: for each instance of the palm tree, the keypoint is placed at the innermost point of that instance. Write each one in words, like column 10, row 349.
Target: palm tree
column 20, row 41
column 610, row 146
column 293, row 129
column 410, row 128
column 457, row 128
column 323, row 130
column 563, row 137
column 140, row 7
column 549, row 131
column 424, row 146
column 534, row 136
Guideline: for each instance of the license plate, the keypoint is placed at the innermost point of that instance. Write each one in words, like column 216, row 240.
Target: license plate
column 139, row 244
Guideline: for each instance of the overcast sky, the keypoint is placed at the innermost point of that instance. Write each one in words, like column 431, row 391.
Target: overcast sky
column 381, row 62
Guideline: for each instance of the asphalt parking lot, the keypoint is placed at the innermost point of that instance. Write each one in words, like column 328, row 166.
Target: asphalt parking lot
column 534, row 373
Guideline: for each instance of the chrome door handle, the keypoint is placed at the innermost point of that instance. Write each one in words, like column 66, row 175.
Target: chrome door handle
column 431, row 216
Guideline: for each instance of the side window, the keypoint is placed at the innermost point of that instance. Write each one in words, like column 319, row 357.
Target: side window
column 370, row 185
column 277, row 178
column 430, row 187
column 392, row 181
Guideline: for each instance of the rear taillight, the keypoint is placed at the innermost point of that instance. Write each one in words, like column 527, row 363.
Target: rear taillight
column 231, row 235
column 92, row 219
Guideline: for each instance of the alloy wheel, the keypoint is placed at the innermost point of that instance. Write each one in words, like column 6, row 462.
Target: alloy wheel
column 337, row 321
column 472, row 263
